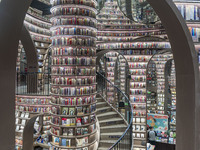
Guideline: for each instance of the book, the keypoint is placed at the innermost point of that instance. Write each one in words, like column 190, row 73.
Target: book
column 65, row 131
column 17, row 121
column 65, row 111
column 22, row 115
column 93, row 118
column 64, row 142
column 78, row 121
column 56, row 140
column 68, row 142
column 78, row 131
column 64, row 121
column 79, row 111
column 23, row 122
column 85, row 120
column 17, row 128
column 80, row 142
column 71, row 111
column 72, row 122
column 84, row 131
column 26, row 115
column 71, row 132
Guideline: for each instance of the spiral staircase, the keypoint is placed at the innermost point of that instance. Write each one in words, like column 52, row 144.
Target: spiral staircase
column 112, row 125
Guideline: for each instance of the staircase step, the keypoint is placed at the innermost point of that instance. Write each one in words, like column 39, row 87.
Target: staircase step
column 103, row 148
column 110, row 122
column 111, row 136
column 106, row 143
column 109, row 143
column 107, row 115
column 103, row 110
column 113, row 128
column 101, row 104
column 106, row 148
column 100, row 100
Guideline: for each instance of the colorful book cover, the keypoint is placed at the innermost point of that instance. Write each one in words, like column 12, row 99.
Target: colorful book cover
column 78, row 121
column 64, row 142
column 65, row 111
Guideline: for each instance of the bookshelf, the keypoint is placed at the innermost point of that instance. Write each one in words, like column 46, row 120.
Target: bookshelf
column 172, row 105
column 39, row 29
column 73, row 74
column 26, row 107
column 189, row 10
column 160, row 61
column 138, row 60
column 151, row 87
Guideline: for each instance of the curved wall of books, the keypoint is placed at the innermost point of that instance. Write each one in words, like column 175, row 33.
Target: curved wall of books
column 73, row 83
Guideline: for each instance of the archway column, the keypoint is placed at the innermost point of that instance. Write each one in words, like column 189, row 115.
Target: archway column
column 32, row 60
column 187, row 74
column 12, row 14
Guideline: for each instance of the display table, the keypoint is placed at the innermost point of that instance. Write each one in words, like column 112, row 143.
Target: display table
column 165, row 146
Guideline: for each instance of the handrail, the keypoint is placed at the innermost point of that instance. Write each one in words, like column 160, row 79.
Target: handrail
column 24, row 80
column 131, row 111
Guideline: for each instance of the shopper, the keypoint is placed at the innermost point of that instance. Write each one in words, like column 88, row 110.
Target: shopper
column 152, row 136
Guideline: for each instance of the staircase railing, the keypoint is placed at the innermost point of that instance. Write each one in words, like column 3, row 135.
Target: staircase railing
column 32, row 83
column 124, row 107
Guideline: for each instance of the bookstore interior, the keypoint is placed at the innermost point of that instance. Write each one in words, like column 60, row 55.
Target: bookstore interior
column 105, row 76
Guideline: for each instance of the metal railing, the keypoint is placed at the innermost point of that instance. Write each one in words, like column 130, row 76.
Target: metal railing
column 125, row 109
column 32, row 83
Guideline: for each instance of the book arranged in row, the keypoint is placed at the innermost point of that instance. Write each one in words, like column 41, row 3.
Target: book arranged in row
column 74, row 51
column 73, row 61
column 73, row 31
column 68, row 10
column 74, row 71
column 73, row 80
column 74, row 101
column 79, row 20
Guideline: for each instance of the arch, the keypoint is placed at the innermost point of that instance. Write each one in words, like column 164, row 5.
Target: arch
column 168, row 66
column 12, row 14
column 127, row 80
column 32, row 60
column 161, row 52
column 30, row 50
column 29, row 131
column 101, row 53
column 187, row 74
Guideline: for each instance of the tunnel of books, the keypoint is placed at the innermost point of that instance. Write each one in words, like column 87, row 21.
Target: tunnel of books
column 104, row 76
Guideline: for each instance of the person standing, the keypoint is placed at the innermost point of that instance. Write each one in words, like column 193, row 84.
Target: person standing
column 152, row 136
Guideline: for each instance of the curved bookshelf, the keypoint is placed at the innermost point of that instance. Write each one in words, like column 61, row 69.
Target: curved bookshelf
column 26, row 107
column 73, row 85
